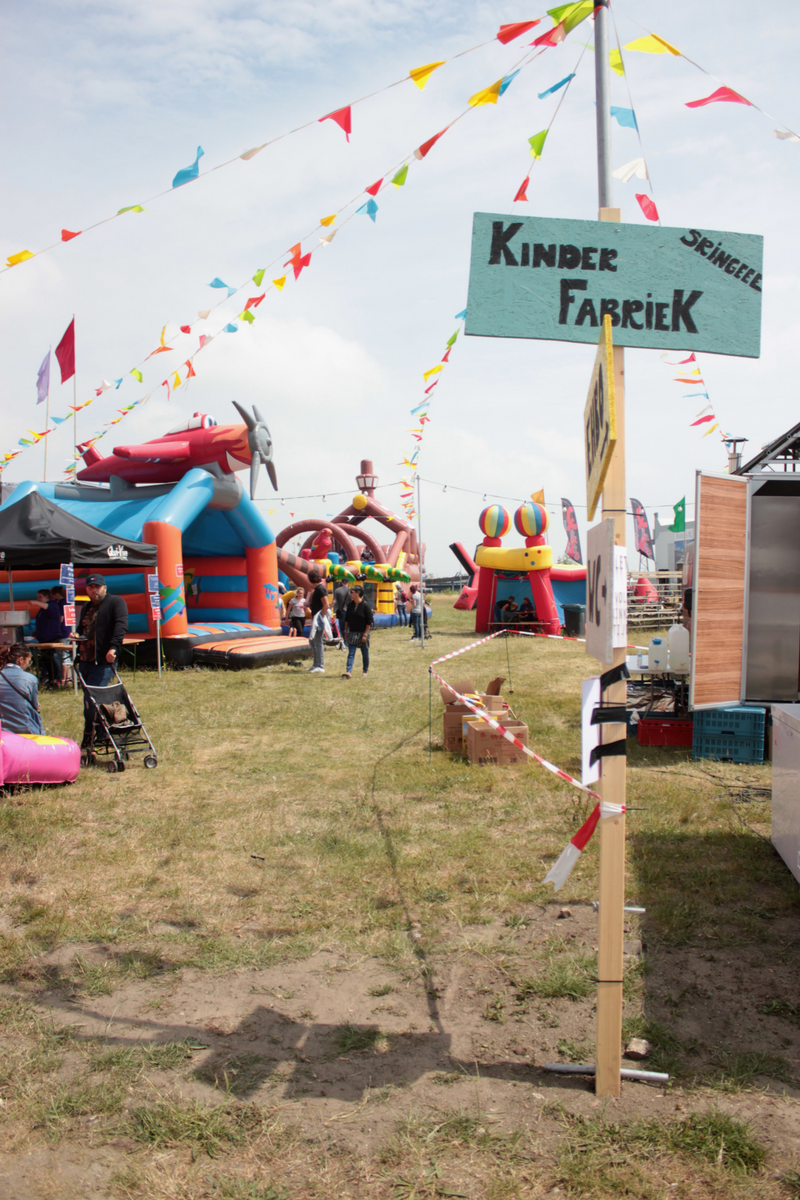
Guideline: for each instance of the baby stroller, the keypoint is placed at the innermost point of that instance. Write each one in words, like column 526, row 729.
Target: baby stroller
column 117, row 730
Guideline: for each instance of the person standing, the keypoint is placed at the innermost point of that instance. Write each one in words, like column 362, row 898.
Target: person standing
column 19, row 693
column 358, row 622
column 296, row 612
column 102, row 624
column 416, row 612
column 318, row 607
column 341, row 599
column 400, row 601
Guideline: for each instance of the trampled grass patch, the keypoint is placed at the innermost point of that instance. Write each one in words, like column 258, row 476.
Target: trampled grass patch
column 294, row 816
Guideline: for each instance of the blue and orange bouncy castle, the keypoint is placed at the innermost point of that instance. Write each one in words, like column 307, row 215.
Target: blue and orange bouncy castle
column 522, row 573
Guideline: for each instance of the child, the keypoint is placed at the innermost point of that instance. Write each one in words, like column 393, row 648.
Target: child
column 297, row 613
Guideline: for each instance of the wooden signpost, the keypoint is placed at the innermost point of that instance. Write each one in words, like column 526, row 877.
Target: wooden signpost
column 673, row 289
column 612, row 786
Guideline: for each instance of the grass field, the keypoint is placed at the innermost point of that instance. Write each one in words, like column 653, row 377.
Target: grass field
column 311, row 954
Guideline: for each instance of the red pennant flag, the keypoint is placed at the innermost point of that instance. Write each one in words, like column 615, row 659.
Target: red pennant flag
column 721, row 94
column 67, row 235
column 551, row 38
column 186, row 329
column 522, row 193
column 296, row 261
column 422, row 150
column 374, row 188
column 691, row 358
column 509, row 32
column 190, row 371
column 648, row 208
column 342, row 117
column 65, row 353
column 703, row 420
column 447, row 354
column 432, row 386
column 254, row 301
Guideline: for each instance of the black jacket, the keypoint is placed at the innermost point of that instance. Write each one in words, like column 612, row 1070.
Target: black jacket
column 111, row 626
column 359, row 617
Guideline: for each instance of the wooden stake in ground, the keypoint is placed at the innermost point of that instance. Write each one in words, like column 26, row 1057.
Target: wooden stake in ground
column 611, row 830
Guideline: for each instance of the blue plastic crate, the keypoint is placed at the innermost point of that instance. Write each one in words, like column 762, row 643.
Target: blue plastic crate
column 727, row 746
column 732, row 721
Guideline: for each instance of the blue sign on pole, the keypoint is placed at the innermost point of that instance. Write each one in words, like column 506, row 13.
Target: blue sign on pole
column 665, row 288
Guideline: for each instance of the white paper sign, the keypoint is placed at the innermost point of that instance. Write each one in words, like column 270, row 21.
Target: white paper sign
column 590, row 734
column 599, row 590
column 606, row 593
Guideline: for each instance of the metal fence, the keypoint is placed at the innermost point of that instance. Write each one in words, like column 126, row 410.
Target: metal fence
column 659, row 611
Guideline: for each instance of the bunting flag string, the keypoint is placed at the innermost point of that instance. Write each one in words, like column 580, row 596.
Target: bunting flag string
column 638, row 166
column 653, row 44
column 342, row 117
column 536, row 143
column 297, row 260
column 408, row 480
column 690, row 374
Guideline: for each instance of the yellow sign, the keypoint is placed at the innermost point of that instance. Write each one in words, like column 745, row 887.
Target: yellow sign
column 600, row 419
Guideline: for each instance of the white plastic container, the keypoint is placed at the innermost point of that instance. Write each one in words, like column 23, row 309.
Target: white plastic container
column 657, row 651
column 679, row 649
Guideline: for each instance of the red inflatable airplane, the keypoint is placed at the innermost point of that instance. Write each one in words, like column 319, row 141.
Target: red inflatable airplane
column 201, row 442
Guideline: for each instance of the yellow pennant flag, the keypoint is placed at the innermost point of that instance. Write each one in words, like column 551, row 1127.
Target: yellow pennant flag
column 427, row 374
column 538, row 497
column 163, row 331
column 421, row 75
column 615, row 62
column 280, row 282
column 653, row 45
column 176, row 381
column 327, row 220
column 711, row 430
column 14, row 260
column 487, row 96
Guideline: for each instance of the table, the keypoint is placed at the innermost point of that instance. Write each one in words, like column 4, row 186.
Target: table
column 35, row 647
column 634, row 667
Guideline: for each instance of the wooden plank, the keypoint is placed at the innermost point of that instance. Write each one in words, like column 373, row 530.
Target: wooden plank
column 718, row 581
column 612, row 788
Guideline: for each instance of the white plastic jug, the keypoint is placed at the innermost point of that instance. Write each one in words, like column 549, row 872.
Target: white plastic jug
column 657, row 651
column 679, row 649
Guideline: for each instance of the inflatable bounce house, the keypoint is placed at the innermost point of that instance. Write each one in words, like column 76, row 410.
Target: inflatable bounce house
column 332, row 543
column 523, row 574
column 216, row 558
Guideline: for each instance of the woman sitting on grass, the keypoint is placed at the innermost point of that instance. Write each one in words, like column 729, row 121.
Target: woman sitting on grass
column 19, row 693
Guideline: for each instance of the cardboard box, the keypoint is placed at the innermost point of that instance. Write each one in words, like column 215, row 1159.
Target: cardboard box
column 457, row 714
column 485, row 745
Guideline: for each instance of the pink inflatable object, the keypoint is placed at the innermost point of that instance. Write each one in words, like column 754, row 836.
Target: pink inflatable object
column 37, row 758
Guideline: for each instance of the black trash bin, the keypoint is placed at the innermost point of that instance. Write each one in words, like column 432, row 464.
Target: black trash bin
column 575, row 620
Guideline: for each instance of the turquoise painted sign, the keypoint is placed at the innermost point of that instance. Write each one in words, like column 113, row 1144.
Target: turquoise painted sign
column 671, row 289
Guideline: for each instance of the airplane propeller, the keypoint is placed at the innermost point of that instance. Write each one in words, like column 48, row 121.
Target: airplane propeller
column 259, row 443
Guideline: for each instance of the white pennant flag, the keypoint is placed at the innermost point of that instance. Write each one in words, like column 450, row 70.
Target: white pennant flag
column 637, row 167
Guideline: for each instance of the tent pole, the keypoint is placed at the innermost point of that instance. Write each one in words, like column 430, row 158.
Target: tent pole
column 11, row 588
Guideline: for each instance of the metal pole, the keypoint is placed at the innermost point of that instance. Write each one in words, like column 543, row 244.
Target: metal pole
column 602, row 95
column 430, row 714
column 508, row 664
column 158, row 644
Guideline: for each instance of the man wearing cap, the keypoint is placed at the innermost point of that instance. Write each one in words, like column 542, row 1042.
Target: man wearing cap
column 102, row 625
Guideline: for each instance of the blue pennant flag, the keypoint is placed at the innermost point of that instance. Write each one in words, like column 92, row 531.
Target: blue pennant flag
column 189, row 173
column 549, row 91
column 625, row 116
column 370, row 208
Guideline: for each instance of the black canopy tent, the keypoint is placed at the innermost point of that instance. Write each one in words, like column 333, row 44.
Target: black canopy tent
column 35, row 533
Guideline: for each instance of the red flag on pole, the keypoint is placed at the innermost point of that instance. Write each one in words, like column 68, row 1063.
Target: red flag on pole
column 65, row 353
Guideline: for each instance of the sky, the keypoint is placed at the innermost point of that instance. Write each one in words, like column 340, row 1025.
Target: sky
column 105, row 102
